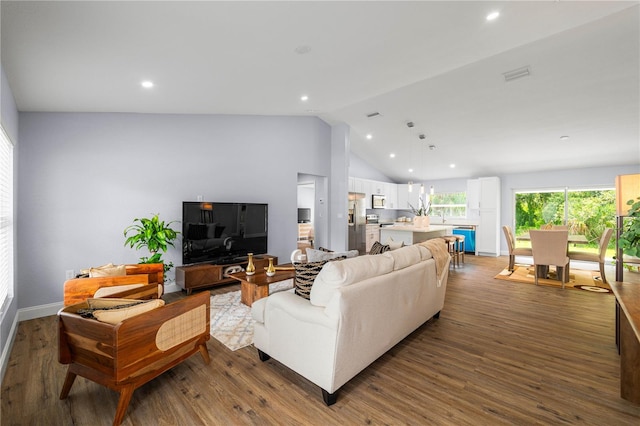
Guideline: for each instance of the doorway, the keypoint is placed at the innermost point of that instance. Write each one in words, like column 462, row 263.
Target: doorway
column 312, row 211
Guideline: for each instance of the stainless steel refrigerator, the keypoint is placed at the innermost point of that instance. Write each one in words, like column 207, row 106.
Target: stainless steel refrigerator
column 357, row 222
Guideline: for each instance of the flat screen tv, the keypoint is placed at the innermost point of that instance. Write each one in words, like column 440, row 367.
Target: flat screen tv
column 304, row 215
column 222, row 233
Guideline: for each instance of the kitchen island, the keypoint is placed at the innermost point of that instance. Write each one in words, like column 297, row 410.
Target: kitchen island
column 410, row 234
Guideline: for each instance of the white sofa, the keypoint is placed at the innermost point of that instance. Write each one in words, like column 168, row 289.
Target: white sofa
column 359, row 308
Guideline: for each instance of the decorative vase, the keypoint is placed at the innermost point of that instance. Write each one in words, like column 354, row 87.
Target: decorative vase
column 250, row 269
column 271, row 270
column 417, row 221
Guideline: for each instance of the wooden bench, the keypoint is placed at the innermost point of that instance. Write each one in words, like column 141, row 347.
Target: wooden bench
column 628, row 338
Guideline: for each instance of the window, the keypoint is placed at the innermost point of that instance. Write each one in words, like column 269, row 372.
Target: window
column 6, row 219
column 453, row 204
column 585, row 211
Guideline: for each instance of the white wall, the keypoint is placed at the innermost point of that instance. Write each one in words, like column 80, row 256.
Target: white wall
column 9, row 118
column 363, row 170
column 85, row 177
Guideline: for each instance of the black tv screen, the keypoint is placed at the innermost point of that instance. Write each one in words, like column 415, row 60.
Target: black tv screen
column 304, row 215
column 222, row 233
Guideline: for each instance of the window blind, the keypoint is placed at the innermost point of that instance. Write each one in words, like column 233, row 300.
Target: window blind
column 6, row 218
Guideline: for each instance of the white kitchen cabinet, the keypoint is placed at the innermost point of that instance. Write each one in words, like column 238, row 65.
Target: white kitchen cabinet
column 473, row 194
column 377, row 188
column 407, row 199
column 488, row 230
column 392, row 196
column 370, row 187
column 372, row 235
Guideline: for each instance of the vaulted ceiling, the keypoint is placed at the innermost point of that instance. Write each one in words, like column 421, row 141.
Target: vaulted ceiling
column 439, row 65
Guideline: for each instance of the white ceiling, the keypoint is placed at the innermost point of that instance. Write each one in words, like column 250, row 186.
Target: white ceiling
column 437, row 64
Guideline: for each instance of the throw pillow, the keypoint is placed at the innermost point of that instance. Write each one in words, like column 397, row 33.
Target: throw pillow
column 318, row 256
column 378, row 248
column 114, row 311
column 305, row 276
column 108, row 270
column 394, row 245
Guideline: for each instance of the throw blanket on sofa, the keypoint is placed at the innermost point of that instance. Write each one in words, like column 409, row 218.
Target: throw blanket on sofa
column 440, row 254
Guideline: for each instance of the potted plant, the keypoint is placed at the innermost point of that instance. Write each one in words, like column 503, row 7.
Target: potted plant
column 421, row 218
column 629, row 239
column 155, row 235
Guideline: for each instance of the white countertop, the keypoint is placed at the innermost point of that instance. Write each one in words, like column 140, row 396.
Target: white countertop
column 411, row 228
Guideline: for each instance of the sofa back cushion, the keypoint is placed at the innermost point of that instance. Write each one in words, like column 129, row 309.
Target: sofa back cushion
column 404, row 256
column 339, row 274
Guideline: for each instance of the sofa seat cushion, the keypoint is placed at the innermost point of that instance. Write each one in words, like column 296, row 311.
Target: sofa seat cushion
column 346, row 272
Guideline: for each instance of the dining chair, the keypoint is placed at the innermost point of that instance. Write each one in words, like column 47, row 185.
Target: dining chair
column 513, row 250
column 550, row 248
column 595, row 257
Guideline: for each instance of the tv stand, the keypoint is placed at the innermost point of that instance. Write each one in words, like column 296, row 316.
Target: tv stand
column 204, row 275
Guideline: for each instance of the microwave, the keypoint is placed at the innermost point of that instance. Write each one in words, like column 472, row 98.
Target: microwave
column 377, row 201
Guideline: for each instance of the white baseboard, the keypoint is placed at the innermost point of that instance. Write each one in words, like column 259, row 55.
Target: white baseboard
column 25, row 314
column 172, row 288
column 6, row 351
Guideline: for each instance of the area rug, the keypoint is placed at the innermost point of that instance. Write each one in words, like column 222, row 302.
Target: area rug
column 231, row 321
column 579, row 279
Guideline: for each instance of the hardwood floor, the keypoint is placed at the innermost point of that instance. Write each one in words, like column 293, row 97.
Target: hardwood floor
column 500, row 353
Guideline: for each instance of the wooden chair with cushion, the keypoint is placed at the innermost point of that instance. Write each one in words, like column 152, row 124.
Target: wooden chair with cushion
column 598, row 257
column 513, row 250
column 124, row 348
column 80, row 289
column 550, row 248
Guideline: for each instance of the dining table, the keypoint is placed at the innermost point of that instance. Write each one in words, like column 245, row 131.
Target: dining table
column 573, row 239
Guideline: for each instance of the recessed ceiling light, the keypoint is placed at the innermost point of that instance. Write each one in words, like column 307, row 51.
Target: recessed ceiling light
column 392, row 155
column 147, row 84
column 302, row 49
column 410, row 170
column 369, row 136
column 564, row 138
column 453, row 166
column 304, row 98
column 493, row 15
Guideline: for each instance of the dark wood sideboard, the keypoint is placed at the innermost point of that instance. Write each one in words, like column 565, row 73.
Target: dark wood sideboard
column 628, row 338
column 204, row 275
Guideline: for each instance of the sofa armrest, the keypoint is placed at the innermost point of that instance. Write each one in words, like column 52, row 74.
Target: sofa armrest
column 298, row 308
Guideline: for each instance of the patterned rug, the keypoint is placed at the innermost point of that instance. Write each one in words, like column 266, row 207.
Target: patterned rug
column 578, row 279
column 231, row 321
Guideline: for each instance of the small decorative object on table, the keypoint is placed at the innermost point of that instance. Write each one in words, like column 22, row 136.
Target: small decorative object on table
column 421, row 219
column 271, row 270
column 251, row 269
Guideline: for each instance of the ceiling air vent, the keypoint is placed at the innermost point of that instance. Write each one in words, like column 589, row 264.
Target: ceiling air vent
column 517, row 73
column 373, row 114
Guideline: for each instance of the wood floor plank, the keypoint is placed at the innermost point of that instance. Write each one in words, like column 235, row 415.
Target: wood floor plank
column 500, row 353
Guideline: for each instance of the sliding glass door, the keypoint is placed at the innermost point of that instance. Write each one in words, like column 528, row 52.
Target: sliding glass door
column 585, row 211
